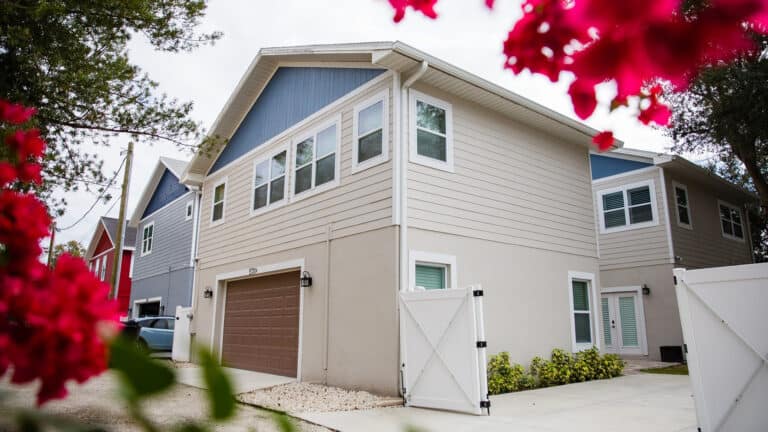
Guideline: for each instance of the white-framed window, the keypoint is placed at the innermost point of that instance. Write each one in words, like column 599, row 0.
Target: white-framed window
column 188, row 210
column 217, row 201
column 269, row 181
column 627, row 207
column 731, row 222
column 316, row 161
column 581, row 295
column 682, row 206
column 432, row 271
column 370, row 125
column 147, row 238
column 103, row 275
column 431, row 125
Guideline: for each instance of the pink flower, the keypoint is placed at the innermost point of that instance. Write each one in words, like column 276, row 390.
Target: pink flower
column 603, row 140
column 14, row 113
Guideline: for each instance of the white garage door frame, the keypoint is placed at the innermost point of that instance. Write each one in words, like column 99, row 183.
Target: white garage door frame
column 220, row 301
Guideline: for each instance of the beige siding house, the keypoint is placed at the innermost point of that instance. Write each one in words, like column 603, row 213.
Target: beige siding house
column 353, row 172
column 655, row 213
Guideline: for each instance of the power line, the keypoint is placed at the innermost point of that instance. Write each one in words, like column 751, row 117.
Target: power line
column 98, row 198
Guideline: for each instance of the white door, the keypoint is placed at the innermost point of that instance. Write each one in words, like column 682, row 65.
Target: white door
column 623, row 331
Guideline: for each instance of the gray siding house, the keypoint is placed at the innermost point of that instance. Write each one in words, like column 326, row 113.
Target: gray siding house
column 656, row 212
column 163, row 265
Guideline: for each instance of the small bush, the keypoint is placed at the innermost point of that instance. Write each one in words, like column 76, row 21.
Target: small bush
column 562, row 368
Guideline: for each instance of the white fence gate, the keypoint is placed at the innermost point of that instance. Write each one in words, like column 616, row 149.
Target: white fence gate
column 443, row 349
column 181, row 337
column 724, row 314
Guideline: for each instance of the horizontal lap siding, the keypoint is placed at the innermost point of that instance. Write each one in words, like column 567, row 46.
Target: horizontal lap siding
column 171, row 243
column 635, row 247
column 705, row 246
column 512, row 184
column 361, row 202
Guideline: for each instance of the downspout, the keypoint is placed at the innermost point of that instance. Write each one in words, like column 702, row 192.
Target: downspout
column 404, row 148
column 326, row 331
column 193, row 256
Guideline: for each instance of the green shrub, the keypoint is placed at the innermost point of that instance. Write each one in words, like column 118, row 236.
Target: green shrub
column 502, row 376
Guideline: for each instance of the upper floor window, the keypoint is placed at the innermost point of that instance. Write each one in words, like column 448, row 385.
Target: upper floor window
column 627, row 207
column 431, row 131
column 730, row 221
column 269, row 181
column 188, row 210
column 217, row 204
column 682, row 206
column 316, row 163
column 371, row 142
column 103, row 267
column 147, row 238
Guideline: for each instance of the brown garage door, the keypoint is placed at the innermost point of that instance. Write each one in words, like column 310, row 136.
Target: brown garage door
column 261, row 324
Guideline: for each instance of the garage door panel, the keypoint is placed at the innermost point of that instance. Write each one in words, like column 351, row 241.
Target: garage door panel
column 261, row 324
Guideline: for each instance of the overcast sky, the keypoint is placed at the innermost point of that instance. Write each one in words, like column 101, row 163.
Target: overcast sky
column 466, row 34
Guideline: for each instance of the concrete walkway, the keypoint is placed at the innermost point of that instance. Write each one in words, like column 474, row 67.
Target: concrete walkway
column 242, row 380
column 646, row 402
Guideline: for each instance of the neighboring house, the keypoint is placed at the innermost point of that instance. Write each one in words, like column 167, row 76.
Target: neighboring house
column 100, row 257
column 164, row 221
column 373, row 169
column 656, row 212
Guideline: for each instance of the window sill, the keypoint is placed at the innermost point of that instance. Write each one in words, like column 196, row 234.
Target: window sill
column 733, row 238
column 370, row 163
column 268, row 208
column 629, row 227
column 433, row 163
column 314, row 191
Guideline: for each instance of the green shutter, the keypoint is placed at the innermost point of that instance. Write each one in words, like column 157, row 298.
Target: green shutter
column 580, row 296
column 606, row 322
column 628, row 321
column 430, row 277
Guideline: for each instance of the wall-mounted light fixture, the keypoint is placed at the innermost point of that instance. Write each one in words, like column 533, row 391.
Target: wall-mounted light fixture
column 208, row 292
column 306, row 280
column 646, row 290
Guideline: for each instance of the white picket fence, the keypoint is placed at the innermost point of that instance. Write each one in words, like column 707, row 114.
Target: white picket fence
column 724, row 314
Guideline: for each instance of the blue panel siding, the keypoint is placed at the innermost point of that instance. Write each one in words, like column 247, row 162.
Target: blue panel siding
column 293, row 94
column 173, row 287
column 604, row 166
column 167, row 190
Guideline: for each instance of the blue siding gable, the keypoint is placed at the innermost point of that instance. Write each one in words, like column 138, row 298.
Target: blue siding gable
column 604, row 166
column 167, row 190
column 293, row 94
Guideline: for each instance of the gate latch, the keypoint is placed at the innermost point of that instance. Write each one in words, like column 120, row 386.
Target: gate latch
column 477, row 293
column 482, row 344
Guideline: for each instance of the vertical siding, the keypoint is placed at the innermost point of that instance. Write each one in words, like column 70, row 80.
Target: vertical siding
column 512, row 184
column 360, row 203
column 172, row 241
column 704, row 245
column 640, row 246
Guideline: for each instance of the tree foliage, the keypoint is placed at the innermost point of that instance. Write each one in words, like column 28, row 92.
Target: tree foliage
column 69, row 59
column 72, row 247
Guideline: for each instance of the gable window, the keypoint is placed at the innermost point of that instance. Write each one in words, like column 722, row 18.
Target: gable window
column 371, row 142
column 682, row 206
column 147, row 238
column 269, row 181
column 730, row 221
column 188, row 211
column 217, row 204
column 103, row 275
column 432, row 271
column 627, row 207
column 431, row 132
column 316, row 163
column 580, row 287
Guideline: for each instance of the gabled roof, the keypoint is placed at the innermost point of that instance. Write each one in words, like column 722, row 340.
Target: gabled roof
column 175, row 166
column 110, row 226
column 395, row 56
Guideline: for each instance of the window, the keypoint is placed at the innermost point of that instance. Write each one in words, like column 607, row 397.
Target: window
column 431, row 132
column 269, row 181
column 103, row 275
column 316, row 163
column 627, row 207
column 188, row 211
column 432, row 271
column 371, row 145
column 147, row 238
column 582, row 326
column 730, row 221
column 217, row 204
column 682, row 206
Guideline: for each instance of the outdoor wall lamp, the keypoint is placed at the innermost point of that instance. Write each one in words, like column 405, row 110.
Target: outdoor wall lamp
column 306, row 280
column 646, row 290
column 208, row 292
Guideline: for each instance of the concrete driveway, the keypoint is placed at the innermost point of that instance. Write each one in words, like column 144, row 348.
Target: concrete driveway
column 242, row 380
column 645, row 402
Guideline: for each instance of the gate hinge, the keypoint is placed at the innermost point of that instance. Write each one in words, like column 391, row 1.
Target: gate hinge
column 477, row 293
column 485, row 404
column 482, row 344
column 674, row 279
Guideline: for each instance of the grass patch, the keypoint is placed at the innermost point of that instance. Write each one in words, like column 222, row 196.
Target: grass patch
column 669, row 370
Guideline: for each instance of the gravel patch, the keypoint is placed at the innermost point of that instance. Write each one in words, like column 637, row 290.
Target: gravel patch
column 305, row 397
column 181, row 365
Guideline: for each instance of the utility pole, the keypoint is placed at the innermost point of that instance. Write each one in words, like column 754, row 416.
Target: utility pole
column 115, row 280
column 50, row 245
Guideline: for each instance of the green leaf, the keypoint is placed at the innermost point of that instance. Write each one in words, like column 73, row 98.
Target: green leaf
column 141, row 375
column 191, row 427
column 220, row 392
column 284, row 423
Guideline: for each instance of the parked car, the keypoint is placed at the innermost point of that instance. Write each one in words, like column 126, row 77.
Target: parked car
column 153, row 333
